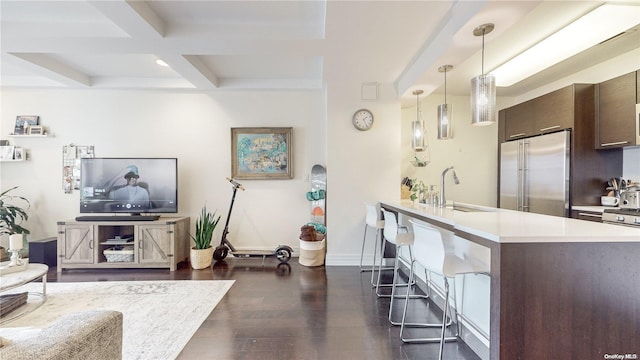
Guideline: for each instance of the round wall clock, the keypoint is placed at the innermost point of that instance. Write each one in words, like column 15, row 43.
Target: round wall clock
column 363, row 119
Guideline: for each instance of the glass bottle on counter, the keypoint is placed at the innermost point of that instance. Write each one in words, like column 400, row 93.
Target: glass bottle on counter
column 433, row 194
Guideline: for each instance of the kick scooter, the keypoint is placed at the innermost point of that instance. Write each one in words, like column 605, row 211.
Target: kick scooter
column 282, row 252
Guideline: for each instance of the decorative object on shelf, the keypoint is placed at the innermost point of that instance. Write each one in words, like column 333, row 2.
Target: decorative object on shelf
column 444, row 113
column 36, row 130
column 119, row 254
column 483, row 88
column 261, row 153
column 24, row 123
column 362, row 119
column 18, row 154
column 11, row 216
column 71, row 155
column 202, row 253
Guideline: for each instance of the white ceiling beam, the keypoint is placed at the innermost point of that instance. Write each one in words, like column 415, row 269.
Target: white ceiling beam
column 135, row 18
column 212, row 46
column 193, row 70
column 46, row 66
column 459, row 14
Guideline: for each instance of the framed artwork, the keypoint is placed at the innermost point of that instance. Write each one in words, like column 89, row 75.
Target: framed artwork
column 261, row 153
column 18, row 154
column 36, row 130
column 23, row 122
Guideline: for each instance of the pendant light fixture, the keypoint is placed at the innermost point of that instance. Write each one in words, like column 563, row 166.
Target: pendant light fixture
column 444, row 110
column 417, row 126
column 483, row 89
column 419, row 137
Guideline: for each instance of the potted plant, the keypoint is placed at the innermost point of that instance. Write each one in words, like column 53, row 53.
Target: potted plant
column 418, row 189
column 11, row 216
column 202, row 252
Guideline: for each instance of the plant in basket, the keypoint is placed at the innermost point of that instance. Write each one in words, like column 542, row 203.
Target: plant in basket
column 202, row 252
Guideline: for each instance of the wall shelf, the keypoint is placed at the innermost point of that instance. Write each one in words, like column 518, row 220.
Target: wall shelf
column 29, row 136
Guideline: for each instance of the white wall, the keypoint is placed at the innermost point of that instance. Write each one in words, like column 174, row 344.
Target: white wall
column 193, row 127
column 364, row 166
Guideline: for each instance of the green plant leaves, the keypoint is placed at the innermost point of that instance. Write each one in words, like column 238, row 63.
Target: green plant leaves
column 205, row 225
column 11, row 215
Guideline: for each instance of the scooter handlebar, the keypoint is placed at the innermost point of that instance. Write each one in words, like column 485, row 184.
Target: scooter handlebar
column 235, row 183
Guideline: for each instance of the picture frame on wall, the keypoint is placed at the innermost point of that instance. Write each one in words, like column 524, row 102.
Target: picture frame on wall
column 24, row 122
column 261, row 153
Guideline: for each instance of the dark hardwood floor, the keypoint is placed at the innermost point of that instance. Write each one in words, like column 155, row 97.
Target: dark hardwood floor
column 288, row 312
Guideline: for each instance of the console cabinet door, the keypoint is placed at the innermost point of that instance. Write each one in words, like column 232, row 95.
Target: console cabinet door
column 76, row 244
column 616, row 112
column 154, row 244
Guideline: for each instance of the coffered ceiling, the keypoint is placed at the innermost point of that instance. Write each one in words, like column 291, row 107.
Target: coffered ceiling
column 275, row 45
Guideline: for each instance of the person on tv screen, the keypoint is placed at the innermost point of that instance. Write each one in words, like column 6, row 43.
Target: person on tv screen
column 135, row 196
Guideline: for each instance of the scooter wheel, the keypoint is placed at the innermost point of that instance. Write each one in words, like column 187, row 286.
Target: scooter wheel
column 283, row 254
column 220, row 253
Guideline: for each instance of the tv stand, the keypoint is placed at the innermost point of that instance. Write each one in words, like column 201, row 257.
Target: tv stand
column 134, row 217
column 161, row 243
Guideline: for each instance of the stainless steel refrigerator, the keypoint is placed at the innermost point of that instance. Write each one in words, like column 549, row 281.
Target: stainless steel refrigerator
column 534, row 174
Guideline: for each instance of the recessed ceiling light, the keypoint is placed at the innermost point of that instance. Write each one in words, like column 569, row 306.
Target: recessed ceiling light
column 600, row 24
column 162, row 63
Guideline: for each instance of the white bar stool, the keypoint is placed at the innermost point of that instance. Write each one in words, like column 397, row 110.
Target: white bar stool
column 372, row 221
column 400, row 237
column 437, row 254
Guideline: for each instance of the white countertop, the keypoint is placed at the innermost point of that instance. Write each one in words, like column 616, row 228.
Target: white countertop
column 508, row 226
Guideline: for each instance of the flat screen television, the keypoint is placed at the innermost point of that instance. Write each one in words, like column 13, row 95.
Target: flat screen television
column 129, row 185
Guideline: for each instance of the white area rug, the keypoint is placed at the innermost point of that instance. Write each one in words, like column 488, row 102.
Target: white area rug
column 159, row 316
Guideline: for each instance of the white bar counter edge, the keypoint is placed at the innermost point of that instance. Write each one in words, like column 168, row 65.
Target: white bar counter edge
column 508, row 226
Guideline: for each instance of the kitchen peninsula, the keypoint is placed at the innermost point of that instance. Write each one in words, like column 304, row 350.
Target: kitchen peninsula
column 561, row 288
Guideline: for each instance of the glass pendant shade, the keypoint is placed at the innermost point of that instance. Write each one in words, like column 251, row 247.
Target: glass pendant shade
column 418, row 135
column 444, row 110
column 483, row 100
column 444, row 122
column 417, row 126
column 483, row 89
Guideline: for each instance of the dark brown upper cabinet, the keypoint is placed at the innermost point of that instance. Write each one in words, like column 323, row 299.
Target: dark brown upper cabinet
column 616, row 114
column 548, row 113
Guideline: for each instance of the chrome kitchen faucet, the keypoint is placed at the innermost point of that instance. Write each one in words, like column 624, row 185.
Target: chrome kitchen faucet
column 443, row 201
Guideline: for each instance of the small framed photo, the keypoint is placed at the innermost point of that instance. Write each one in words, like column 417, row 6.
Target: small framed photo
column 36, row 130
column 18, row 154
column 261, row 153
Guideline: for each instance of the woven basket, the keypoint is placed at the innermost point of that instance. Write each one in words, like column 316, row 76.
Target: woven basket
column 201, row 258
column 124, row 255
column 312, row 253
